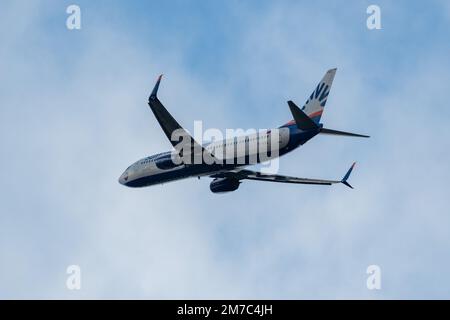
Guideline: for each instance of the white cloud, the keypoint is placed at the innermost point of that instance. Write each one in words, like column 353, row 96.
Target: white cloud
column 71, row 126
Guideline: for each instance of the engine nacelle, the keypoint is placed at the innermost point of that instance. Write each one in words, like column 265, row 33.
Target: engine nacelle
column 219, row 185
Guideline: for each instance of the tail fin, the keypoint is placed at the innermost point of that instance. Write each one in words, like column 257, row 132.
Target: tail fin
column 315, row 104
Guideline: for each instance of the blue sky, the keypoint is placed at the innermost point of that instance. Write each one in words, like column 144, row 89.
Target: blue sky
column 74, row 115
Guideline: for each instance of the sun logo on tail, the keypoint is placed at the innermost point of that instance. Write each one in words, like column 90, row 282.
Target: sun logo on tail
column 320, row 93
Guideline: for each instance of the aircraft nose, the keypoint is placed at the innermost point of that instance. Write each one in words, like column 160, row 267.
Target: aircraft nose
column 123, row 178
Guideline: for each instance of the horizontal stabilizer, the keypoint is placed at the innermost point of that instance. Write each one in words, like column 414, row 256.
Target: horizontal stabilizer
column 301, row 119
column 342, row 133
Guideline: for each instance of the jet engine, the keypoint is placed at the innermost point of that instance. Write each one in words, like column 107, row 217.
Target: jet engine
column 220, row 185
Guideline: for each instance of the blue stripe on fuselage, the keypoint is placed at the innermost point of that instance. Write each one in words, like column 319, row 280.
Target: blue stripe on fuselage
column 297, row 137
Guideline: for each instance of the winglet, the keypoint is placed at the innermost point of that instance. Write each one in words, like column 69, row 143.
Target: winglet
column 155, row 89
column 344, row 179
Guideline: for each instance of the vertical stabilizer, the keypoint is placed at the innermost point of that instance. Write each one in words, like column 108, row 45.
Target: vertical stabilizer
column 315, row 104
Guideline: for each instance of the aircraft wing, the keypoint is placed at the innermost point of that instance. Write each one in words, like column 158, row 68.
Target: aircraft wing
column 255, row 175
column 177, row 135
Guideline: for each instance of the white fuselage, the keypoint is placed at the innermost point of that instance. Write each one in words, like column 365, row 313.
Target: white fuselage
column 231, row 153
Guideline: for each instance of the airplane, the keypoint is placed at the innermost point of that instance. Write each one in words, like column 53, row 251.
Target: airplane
column 228, row 175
